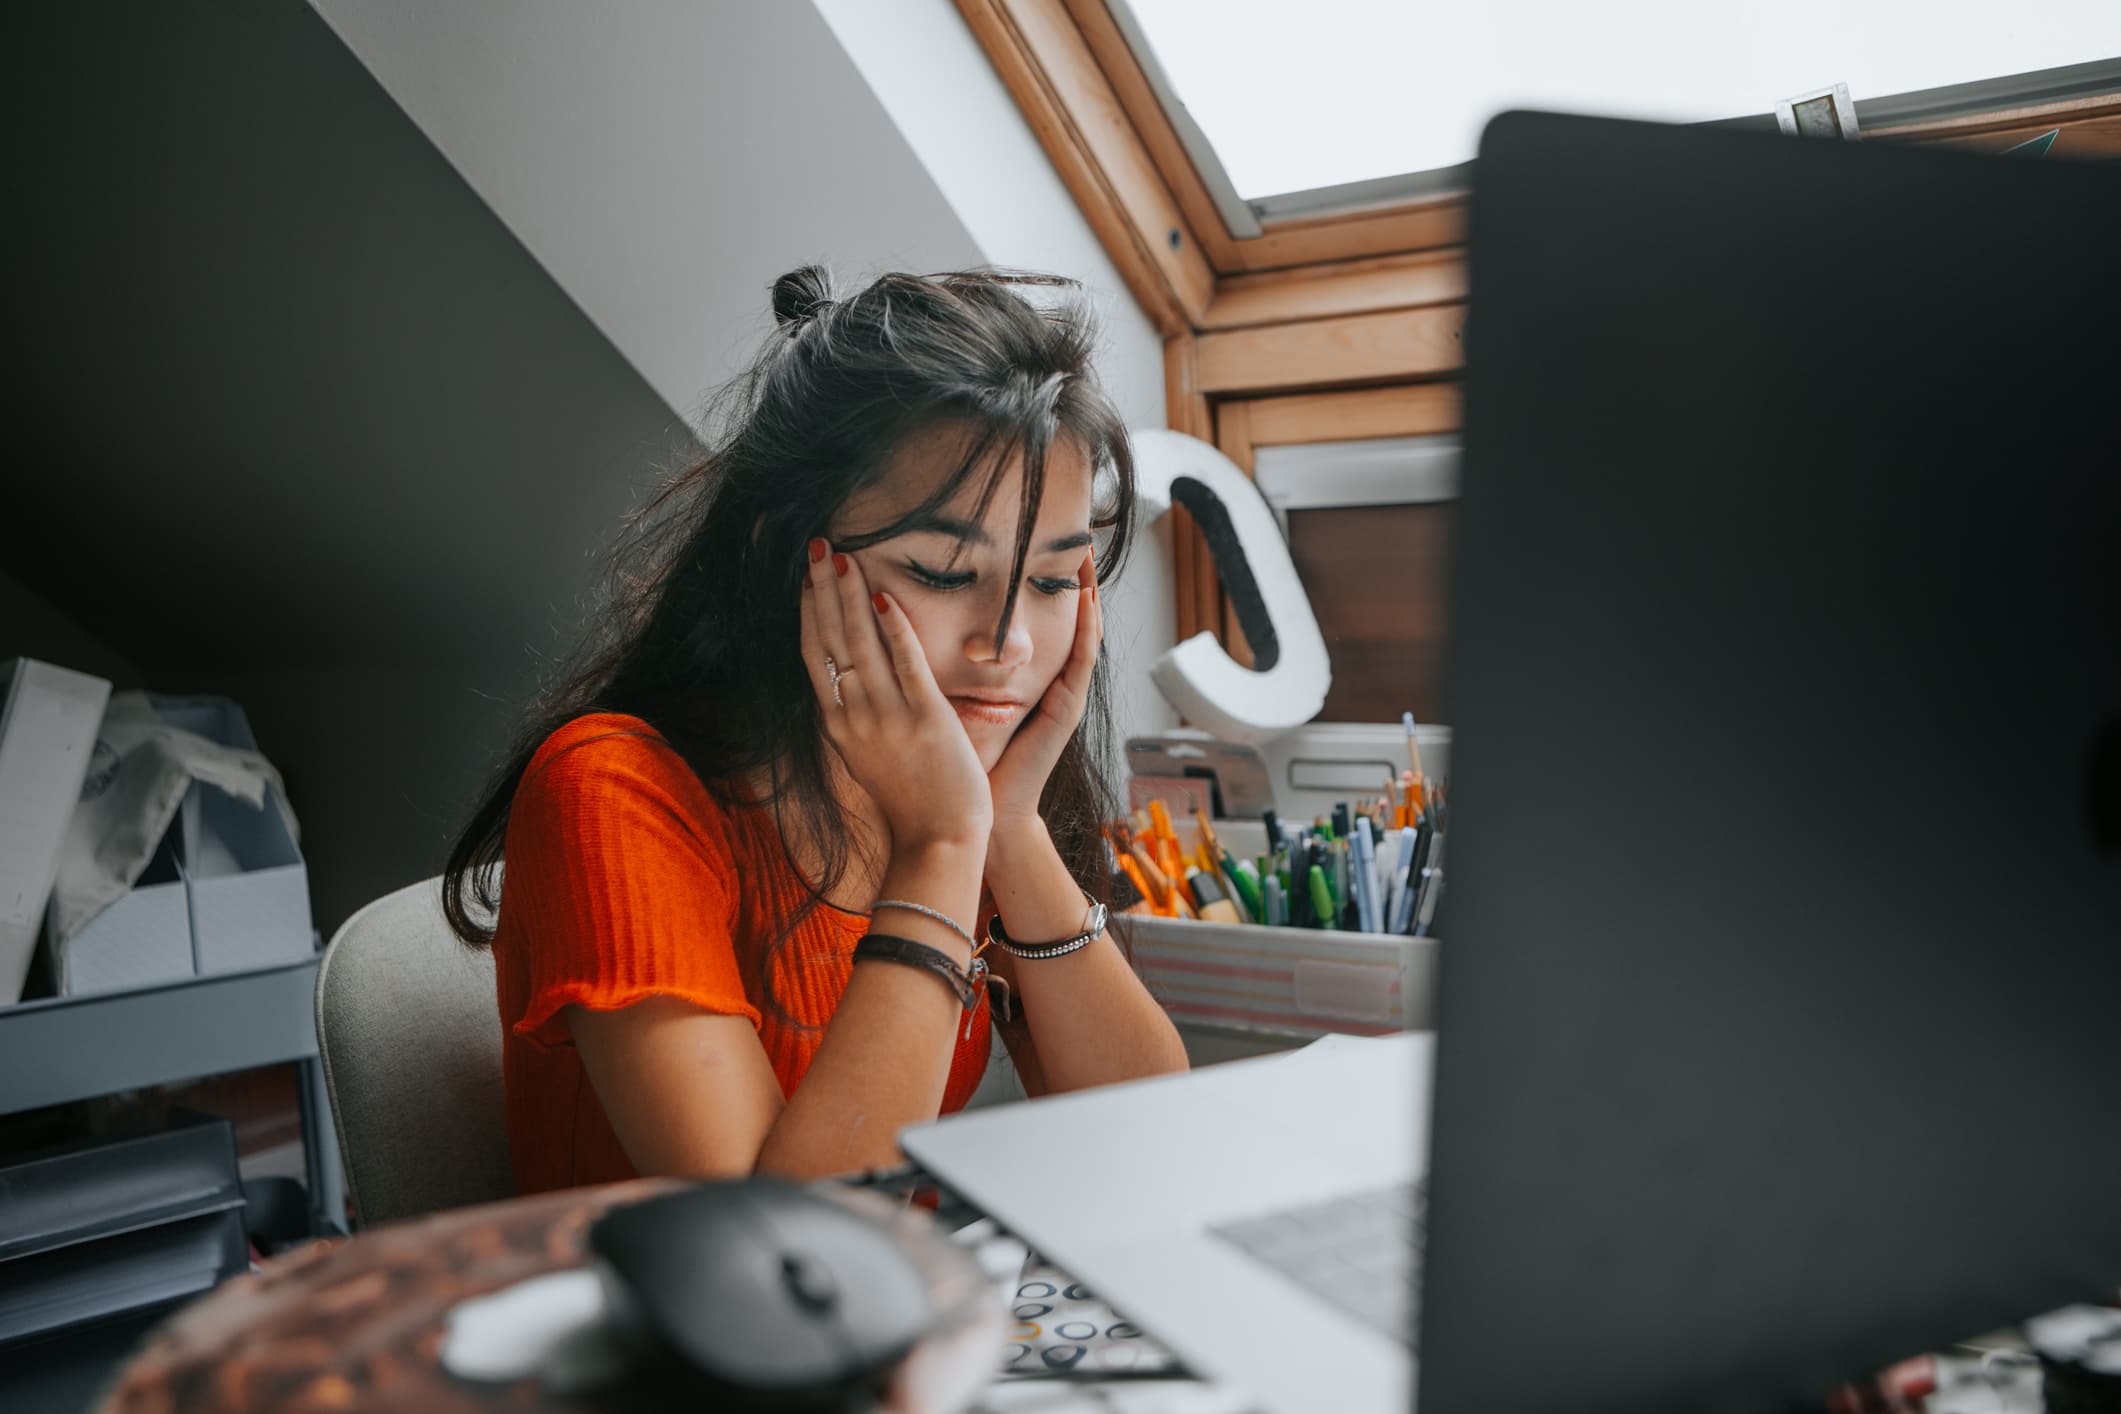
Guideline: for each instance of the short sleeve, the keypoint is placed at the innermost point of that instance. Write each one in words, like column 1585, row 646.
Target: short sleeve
column 620, row 883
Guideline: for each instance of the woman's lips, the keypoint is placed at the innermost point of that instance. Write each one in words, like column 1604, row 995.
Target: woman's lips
column 988, row 711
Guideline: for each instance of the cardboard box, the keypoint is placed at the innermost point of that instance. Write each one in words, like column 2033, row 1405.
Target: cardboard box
column 47, row 739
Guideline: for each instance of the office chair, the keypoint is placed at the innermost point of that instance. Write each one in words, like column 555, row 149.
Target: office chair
column 411, row 1041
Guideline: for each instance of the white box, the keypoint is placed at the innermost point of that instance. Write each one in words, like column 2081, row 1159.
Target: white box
column 1319, row 766
column 141, row 938
column 1288, row 982
column 47, row 739
column 248, row 885
column 227, row 891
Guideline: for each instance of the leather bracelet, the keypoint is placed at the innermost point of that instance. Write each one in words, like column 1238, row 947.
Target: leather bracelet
column 1039, row 952
column 964, row 982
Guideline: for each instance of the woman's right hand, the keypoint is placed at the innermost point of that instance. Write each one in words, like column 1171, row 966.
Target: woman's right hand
column 890, row 723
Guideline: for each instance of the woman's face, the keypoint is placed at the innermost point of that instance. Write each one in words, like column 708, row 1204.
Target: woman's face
column 950, row 575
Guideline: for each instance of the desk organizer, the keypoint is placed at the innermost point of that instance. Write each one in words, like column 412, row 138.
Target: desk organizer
column 1297, row 983
column 228, row 890
column 94, row 1232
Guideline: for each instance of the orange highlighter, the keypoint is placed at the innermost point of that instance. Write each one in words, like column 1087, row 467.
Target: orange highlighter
column 1156, row 887
column 1141, row 885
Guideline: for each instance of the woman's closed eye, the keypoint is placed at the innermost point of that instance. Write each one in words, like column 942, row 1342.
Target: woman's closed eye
column 945, row 581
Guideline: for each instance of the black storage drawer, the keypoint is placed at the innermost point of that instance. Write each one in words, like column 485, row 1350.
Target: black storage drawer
column 100, row 1230
column 133, row 1271
column 69, row 1195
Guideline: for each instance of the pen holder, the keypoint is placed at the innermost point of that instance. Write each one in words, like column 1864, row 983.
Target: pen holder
column 1282, row 984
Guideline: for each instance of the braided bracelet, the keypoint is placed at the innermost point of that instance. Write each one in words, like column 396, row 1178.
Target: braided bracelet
column 1039, row 952
column 926, row 912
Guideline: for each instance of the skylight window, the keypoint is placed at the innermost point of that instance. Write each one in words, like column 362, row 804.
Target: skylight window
column 1294, row 95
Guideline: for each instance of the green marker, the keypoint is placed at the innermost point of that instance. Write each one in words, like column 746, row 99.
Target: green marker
column 1322, row 900
column 1247, row 885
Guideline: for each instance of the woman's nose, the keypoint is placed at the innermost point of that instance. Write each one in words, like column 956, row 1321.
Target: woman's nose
column 1015, row 649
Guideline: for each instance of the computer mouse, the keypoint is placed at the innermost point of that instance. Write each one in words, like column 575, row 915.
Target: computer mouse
column 771, row 1294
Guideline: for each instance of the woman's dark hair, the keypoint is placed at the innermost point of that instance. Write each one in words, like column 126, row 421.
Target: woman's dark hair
column 696, row 631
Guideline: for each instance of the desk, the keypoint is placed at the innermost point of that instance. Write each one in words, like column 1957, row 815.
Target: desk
column 357, row 1324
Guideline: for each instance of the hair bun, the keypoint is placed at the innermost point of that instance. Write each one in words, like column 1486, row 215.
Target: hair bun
column 801, row 294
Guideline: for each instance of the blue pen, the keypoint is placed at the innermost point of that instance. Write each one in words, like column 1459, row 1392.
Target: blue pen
column 1365, row 871
column 1410, row 895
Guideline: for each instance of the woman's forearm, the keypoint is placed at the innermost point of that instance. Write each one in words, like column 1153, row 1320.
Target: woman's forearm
column 1091, row 1020
column 884, row 1060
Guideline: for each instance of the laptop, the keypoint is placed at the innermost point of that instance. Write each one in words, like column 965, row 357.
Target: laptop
column 1776, row 1006
column 1162, row 1197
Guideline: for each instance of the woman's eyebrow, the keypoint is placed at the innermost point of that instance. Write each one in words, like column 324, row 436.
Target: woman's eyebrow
column 936, row 523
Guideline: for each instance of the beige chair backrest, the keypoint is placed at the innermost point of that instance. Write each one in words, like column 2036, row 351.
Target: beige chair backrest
column 411, row 1039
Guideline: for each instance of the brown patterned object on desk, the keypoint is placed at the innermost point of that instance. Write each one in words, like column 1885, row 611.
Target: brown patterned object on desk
column 357, row 1324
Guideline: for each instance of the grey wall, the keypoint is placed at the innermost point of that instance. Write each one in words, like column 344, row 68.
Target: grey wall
column 664, row 159
column 295, row 417
column 31, row 626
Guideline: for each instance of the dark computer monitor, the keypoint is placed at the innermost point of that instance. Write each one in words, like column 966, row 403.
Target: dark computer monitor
column 1779, row 1010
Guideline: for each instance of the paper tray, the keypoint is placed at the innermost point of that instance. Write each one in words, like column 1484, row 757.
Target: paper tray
column 57, row 1197
column 1294, row 982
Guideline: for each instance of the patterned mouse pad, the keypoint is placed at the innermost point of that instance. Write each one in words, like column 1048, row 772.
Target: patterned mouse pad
column 1067, row 1352
column 1062, row 1326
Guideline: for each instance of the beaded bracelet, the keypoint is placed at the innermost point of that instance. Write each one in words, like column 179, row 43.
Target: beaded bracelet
column 1093, row 925
column 926, row 912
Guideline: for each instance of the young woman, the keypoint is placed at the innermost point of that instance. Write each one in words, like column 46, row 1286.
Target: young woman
column 842, row 723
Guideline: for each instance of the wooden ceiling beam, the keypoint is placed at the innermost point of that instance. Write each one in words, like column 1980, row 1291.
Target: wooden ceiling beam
column 1341, row 287
column 1415, row 225
column 1352, row 350
column 2040, row 117
column 1415, row 410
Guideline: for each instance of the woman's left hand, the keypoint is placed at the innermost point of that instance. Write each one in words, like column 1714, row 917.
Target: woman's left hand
column 1019, row 778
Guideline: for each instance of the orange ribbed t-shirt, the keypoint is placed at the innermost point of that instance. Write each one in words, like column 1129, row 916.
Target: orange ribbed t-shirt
column 625, row 879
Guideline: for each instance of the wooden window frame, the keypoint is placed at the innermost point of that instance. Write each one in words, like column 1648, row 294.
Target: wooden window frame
column 1078, row 85
column 1244, row 425
column 1261, row 330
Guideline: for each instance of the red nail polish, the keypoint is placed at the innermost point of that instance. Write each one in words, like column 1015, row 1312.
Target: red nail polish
column 839, row 563
column 880, row 601
column 817, row 551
